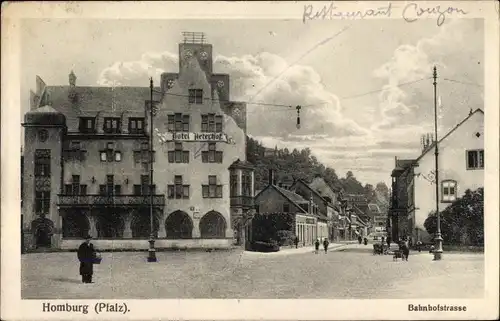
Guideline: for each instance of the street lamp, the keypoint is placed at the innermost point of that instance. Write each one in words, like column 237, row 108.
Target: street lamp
column 439, row 240
column 151, row 250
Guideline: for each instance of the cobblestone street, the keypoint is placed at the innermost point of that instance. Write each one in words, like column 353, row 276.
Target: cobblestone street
column 350, row 273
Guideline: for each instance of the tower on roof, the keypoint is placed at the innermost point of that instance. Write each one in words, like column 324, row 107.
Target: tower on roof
column 72, row 79
column 194, row 47
column 194, row 37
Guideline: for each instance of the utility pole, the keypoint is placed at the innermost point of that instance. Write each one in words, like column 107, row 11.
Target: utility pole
column 298, row 116
column 439, row 240
column 151, row 250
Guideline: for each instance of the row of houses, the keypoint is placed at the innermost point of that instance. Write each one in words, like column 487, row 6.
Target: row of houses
column 318, row 209
column 461, row 167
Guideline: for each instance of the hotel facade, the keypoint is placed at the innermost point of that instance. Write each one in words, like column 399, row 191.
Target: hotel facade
column 87, row 161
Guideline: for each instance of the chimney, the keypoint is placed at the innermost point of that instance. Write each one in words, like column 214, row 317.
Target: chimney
column 311, row 211
column 72, row 84
column 271, row 178
column 72, row 79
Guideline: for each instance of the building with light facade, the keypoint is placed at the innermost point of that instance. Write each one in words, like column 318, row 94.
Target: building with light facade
column 461, row 167
column 87, row 161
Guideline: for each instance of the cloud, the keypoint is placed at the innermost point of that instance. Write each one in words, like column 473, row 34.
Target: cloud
column 258, row 79
column 401, row 113
column 456, row 50
column 137, row 73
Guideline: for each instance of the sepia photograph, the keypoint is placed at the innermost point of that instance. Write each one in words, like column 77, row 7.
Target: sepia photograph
column 339, row 154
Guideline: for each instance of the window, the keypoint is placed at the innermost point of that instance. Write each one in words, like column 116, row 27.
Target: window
column 75, row 184
column 475, row 159
column 118, row 189
column 136, row 125
column 42, row 202
column 142, row 156
column 178, row 190
column 286, row 208
column 212, row 190
column 196, row 96
column 42, row 162
column 212, row 155
column 246, row 184
column 178, row 123
column 233, row 183
column 109, row 154
column 178, row 155
column 211, row 123
column 143, row 188
column 87, row 125
column 75, row 146
column 448, row 191
column 111, row 125
column 110, row 184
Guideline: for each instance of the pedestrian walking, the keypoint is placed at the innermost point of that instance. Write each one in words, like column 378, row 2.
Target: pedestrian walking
column 325, row 244
column 388, row 241
column 316, row 246
column 419, row 246
column 405, row 247
column 365, row 241
column 359, row 239
column 296, row 241
column 86, row 256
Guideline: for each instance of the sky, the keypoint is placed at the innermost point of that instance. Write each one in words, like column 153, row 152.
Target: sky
column 365, row 85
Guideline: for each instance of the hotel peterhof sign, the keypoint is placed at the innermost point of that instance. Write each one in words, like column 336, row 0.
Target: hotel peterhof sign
column 194, row 137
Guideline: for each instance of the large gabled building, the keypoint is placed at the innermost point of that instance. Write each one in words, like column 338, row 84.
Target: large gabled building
column 461, row 167
column 87, row 160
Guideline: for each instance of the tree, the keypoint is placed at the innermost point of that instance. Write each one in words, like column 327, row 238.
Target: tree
column 369, row 192
column 463, row 221
column 300, row 164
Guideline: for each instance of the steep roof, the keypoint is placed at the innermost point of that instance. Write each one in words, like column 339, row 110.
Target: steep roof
column 308, row 187
column 289, row 195
column 478, row 110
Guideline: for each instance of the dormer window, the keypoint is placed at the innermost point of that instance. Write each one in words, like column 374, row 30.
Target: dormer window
column 136, row 125
column 87, row 125
column 111, row 125
column 196, row 96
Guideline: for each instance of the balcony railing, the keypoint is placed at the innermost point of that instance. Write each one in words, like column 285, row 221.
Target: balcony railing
column 110, row 200
column 244, row 201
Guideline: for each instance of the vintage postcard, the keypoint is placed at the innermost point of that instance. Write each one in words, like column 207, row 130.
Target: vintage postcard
column 250, row 160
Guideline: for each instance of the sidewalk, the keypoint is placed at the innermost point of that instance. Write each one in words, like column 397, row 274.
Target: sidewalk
column 301, row 250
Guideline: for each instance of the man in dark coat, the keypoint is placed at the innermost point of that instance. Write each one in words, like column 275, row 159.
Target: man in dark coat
column 325, row 244
column 86, row 256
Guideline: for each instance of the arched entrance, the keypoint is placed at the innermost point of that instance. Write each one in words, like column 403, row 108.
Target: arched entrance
column 141, row 224
column 42, row 228
column 178, row 225
column 75, row 224
column 109, row 224
column 213, row 225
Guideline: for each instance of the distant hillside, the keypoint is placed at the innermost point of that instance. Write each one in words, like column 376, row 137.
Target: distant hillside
column 301, row 164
